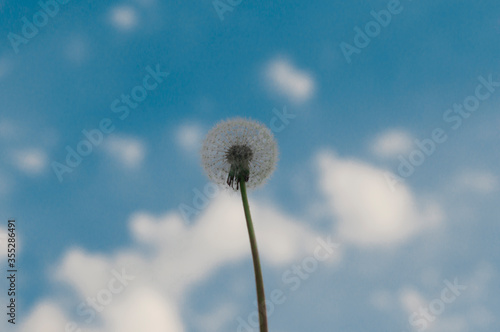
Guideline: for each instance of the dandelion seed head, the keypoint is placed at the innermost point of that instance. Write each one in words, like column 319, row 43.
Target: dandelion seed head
column 239, row 148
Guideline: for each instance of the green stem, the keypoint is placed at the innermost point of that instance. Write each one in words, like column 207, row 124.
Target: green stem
column 261, row 297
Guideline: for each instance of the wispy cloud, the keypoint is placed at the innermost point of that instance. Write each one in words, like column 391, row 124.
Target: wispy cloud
column 123, row 17
column 127, row 151
column 77, row 49
column 286, row 79
column 31, row 161
column 481, row 182
column 189, row 137
column 392, row 143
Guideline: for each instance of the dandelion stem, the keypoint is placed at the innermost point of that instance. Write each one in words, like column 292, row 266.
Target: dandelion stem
column 261, row 297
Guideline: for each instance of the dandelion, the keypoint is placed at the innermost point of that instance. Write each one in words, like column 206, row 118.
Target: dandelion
column 239, row 147
column 241, row 153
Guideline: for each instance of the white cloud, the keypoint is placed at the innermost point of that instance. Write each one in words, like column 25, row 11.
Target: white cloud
column 84, row 272
column 143, row 309
column 413, row 303
column 140, row 308
column 169, row 258
column 31, row 161
column 124, row 17
column 392, row 143
column 481, row 182
column 421, row 316
column 129, row 152
column 189, row 137
column 135, row 304
column 366, row 210
column 219, row 237
column 468, row 316
column 283, row 238
column 45, row 317
column 411, row 300
column 296, row 84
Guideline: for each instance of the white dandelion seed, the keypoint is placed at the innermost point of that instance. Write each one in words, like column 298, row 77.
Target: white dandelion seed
column 239, row 148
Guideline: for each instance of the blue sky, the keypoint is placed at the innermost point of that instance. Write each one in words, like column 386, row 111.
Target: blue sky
column 391, row 152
